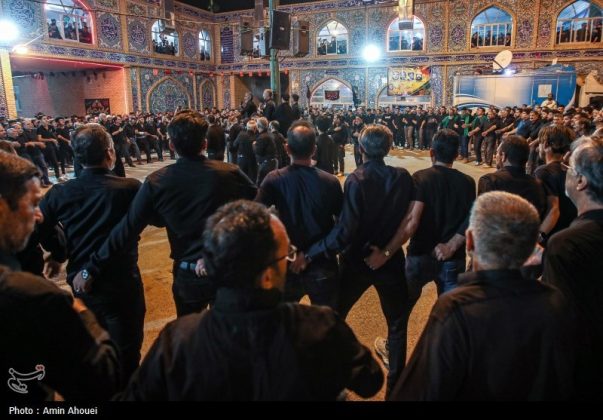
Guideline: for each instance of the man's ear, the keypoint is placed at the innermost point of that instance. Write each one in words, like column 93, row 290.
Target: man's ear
column 469, row 241
column 266, row 278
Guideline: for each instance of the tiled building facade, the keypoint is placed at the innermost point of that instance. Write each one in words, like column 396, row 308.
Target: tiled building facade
column 122, row 34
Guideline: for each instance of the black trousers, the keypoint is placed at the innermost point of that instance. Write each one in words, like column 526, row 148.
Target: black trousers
column 390, row 282
column 121, row 313
column 51, row 154
column 320, row 281
column 265, row 168
column 191, row 293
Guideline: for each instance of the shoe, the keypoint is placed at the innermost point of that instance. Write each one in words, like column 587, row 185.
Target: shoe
column 478, row 163
column 131, row 165
column 382, row 350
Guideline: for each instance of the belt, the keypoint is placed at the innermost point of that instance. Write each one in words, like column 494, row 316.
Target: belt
column 187, row 266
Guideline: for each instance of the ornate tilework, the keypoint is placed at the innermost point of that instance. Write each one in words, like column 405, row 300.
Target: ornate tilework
column 138, row 35
column 167, row 96
column 189, row 43
column 136, row 9
column 26, row 14
column 524, row 34
column 134, row 84
column 437, row 87
column 208, row 94
column 226, row 90
column 3, row 102
column 109, row 30
column 456, row 41
column 436, row 38
column 227, row 45
column 106, row 4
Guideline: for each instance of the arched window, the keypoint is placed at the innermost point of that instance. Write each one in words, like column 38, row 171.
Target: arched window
column 332, row 94
column 581, row 21
column 204, row 45
column 406, row 39
column 332, row 39
column 491, row 28
column 68, row 20
column 165, row 39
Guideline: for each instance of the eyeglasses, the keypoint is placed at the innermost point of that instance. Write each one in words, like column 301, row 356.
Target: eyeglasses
column 290, row 256
column 570, row 168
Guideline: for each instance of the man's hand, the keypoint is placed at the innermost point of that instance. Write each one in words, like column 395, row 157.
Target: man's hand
column 299, row 264
column 200, row 270
column 536, row 256
column 52, row 268
column 443, row 252
column 377, row 258
column 80, row 285
column 79, row 306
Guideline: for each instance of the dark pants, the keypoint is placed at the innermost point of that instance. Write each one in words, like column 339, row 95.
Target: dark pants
column 428, row 134
column 154, row 144
column 357, row 156
column 191, row 293
column 119, row 169
column 390, row 283
column 320, row 281
column 123, row 151
column 248, row 166
column 464, row 146
column 490, row 142
column 265, row 168
column 122, row 315
column 51, row 153
column 477, row 147
column 340, row 158
column 38, row 159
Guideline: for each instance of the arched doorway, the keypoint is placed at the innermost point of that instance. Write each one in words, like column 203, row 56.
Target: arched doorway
column 332, row 93
column 166, row 95
column 207, row 94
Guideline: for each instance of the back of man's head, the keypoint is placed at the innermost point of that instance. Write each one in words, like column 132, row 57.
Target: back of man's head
column 285, row 97
column 376, row 141
column 187, row 132
column 445, row 145
column 516, row 150
column 90, row 143
column 558, row 138
column 262, row 124
column 587, row 160
column 323, row 123
column 15, row 172
column 238, row 244
column 295, row 97
column 301, row 140
column 504, row 228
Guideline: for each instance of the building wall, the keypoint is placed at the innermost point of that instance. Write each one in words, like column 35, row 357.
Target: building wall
column 122, row 34
column 64, row 95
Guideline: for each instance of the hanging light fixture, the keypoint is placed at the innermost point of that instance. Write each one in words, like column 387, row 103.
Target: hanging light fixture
column 406, row 12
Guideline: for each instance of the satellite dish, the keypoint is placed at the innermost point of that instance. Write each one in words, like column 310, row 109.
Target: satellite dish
column 502, row 60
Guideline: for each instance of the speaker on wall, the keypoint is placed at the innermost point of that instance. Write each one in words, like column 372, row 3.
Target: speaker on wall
column 280, row 30
column 301, row 38
column 246, row 36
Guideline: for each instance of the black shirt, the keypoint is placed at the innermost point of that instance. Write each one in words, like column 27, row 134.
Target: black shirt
column 251, row 347
column 497, row 336
column 376, row 198
column 46, row 133
column 514, row 180
column 40, row 327
column 573, row 263
column 87, row 208
column 307, row 199
column 553, row 176
column 448, row 195
column 216, row 140
column 265, row 148
column 324, row 153
column 180, row 197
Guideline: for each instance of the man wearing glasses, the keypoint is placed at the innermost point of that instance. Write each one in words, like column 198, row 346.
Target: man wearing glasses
column 249, row 345
column 573, row 261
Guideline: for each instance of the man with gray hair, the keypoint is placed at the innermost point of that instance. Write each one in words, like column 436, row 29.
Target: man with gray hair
column 497, row 336
column 265, row 150
column 573, row 261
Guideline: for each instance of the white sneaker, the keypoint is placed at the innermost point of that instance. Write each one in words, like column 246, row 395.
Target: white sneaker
column 382, row 350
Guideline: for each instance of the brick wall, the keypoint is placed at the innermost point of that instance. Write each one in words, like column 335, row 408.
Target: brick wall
column 64, row 95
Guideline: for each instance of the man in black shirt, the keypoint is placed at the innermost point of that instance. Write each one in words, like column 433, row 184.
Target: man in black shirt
column 511, row 177
column 51, row 151
column 265, row 150
column 284, row 114
column 376, row 199
column 248, row 107
column 268, row 106
column 497, row 336
column 308, row 202
column 44, row 330
column 324, row 145
column 554, row 144
column 296, row 110
column 243, row 145
column 180, row 197
column 121, row 141
column 487, row 133
column 249, row 345
column 216, row 140
column 87, row 208
column 573, row 262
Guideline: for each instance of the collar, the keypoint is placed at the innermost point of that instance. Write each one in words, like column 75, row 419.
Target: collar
column 96, row 171
column 10, row 261
column 502, row 279
column 591, row 215
column 246, row 300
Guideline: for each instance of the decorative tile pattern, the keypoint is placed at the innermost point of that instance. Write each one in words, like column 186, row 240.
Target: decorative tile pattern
column 208, row 94
column 227, row 45
column 138, row 35
column 437, row 86
column 167, row 96
column 134, row 84
column 26, row 14
column 3, row 102
column 105, row 4
column 226, row 90
column 524, row 34
column 109, row 30
column 457, row 42
column 189, row 43
column 136, row 9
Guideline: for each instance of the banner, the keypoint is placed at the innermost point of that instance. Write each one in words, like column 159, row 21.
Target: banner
column 408, row 81
column 97, row 106
column 331, row 95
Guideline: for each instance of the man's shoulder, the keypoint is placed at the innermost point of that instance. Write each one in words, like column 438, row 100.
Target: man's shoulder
column 23, row 286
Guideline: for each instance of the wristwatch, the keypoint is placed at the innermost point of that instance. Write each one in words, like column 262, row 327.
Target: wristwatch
column 387, row 253
column 85, row 274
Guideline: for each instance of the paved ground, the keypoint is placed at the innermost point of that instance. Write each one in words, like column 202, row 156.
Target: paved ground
column 366, row 318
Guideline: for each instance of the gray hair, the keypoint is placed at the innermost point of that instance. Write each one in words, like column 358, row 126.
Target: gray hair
column 587, row 160
column 262, row 124
column 251, row 125
column 505, row 228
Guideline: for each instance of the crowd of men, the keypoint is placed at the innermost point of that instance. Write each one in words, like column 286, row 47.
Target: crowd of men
column 256, row 218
